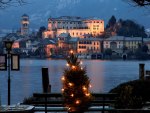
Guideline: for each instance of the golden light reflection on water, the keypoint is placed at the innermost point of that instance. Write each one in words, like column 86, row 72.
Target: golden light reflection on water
column 96, row 75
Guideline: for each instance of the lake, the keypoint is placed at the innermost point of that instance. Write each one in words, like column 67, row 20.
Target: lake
column 104, row 75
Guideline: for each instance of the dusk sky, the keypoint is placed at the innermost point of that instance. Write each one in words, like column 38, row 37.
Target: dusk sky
column 40, row 10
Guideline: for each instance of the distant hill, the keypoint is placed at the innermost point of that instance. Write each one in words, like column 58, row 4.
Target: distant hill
column 40, row 10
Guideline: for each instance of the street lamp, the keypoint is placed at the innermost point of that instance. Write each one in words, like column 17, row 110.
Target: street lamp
column 8, row 46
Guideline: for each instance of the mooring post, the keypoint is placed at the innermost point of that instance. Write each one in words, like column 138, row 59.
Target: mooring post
column 141, row 71
column 45, row 80
column 46, row 85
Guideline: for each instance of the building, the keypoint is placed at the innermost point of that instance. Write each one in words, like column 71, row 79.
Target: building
column 120, row 44
column 75, row 26
column 66, row 43
column 89, row 45
column 25, row 25
column 47, row 47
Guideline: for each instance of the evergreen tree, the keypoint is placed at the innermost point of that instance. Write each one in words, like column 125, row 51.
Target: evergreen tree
column 40, row 32
column 112, row 21
column 76, row 85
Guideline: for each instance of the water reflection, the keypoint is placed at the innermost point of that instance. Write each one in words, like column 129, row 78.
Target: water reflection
column 95, row 74
column 104, row 75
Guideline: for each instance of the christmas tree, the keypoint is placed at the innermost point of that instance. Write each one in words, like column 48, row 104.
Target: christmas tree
column 76, row 86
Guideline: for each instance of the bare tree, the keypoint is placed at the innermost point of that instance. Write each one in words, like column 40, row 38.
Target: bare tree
column 141, row 2
column 6, row 3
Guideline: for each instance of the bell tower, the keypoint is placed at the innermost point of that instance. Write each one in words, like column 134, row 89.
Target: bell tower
column 25, row 25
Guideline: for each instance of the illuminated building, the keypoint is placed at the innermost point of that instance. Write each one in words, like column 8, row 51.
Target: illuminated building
column 25, row 25
column 75, row 26
column 89, row 45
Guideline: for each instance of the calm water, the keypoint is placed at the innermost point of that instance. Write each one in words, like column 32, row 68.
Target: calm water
column 104, row 75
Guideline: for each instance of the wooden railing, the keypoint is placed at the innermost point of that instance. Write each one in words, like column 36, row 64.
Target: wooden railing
column 54, row 102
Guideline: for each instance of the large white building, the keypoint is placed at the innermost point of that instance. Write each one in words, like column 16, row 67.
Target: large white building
column 75, row 26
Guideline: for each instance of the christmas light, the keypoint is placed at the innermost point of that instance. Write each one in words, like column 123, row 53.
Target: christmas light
column 77, row 101
column 87, row 94
column 90, row 85
column 63, row 78
column 84, row 88
column 71, row 51
column 70, row 84
column 72, row 95
column 81, row 63
column 69, row 108
column 62, row 90
column 67, row 64
column 73, row 67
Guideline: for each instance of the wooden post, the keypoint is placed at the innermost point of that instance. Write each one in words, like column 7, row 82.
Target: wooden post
column 45, row 80
column 141, row 71
column 45, row 104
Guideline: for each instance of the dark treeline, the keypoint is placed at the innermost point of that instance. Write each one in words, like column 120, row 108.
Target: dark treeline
column 126, row 28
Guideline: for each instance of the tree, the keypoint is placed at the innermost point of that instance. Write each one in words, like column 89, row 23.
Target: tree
column 141, row 2
column 76, row 85
column 129, row 28
column 40, row 32
column 141, row 52
column 132, row 94
column 112, row 21
column 6, row 3
column 145, row 48
column 108, row 52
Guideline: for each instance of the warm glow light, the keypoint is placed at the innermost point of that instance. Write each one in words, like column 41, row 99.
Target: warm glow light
column 88, row 94
column 70, row 84
column 77, row 101
column 63, row 78
column 69, row 108
column 81, row 68
column 67, row 64
column 62, row 90
column 84, row 88
column 71, row 51
column 73, row 67
column 90, row 85
column 72, row 95
column 81, row 63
